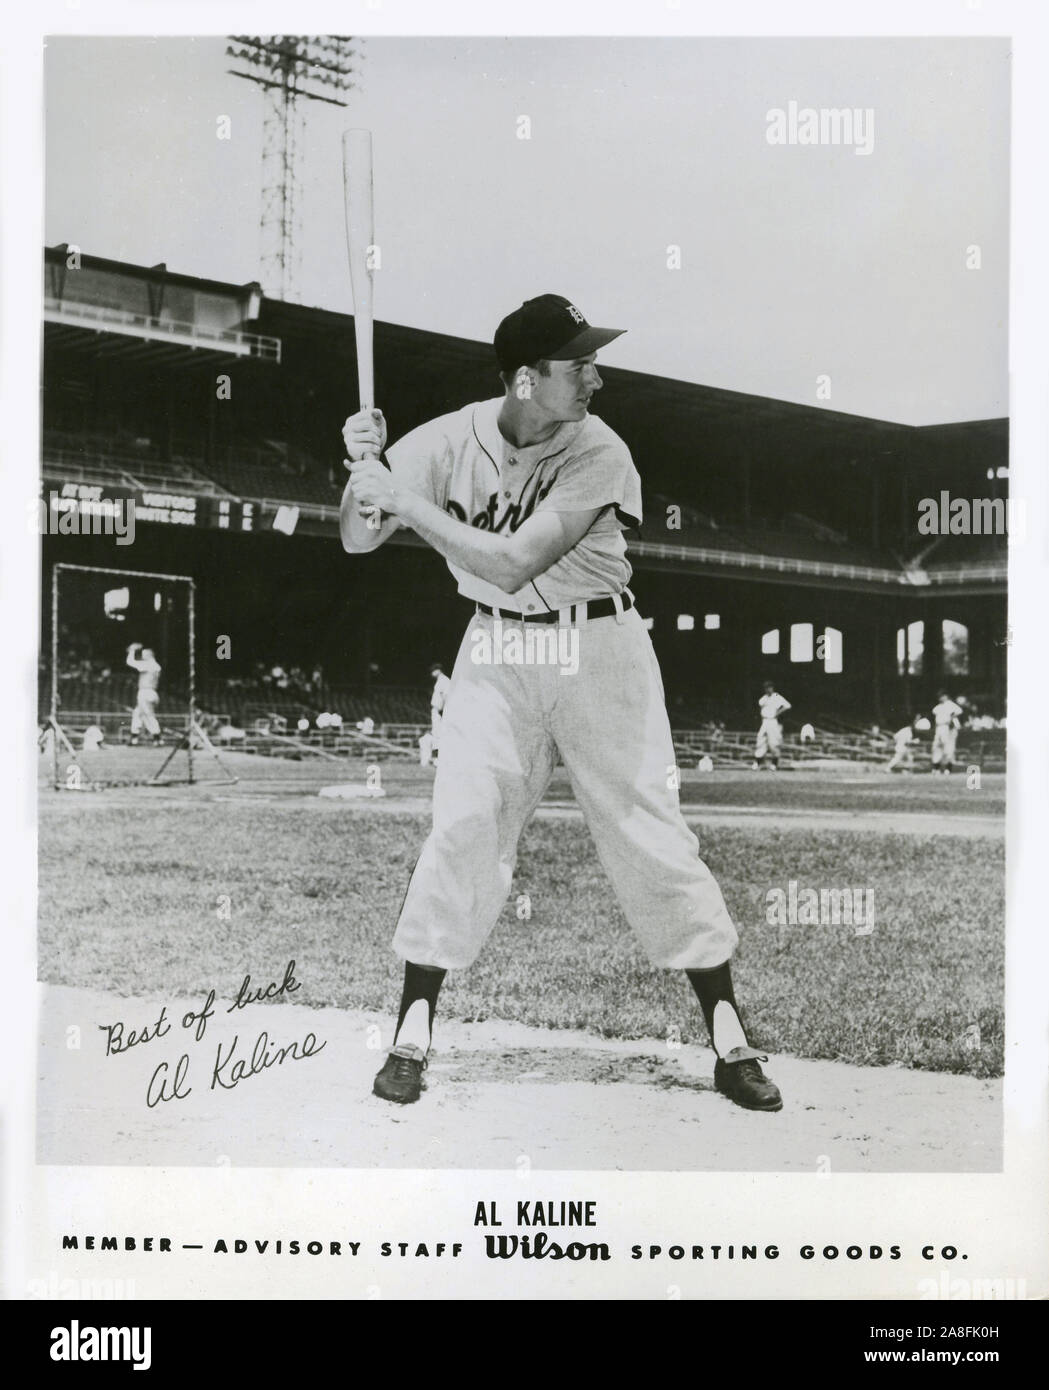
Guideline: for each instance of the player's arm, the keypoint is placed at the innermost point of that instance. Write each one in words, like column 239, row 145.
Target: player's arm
column 507, row 561
column 134, row 661
column 359, row 532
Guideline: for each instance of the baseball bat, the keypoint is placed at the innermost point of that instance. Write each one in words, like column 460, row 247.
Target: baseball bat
column 360, row 237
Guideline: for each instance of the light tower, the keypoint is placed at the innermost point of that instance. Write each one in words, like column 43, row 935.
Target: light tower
column 287, row 67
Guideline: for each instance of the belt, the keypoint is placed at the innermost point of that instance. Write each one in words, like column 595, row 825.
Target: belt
column 594, row 608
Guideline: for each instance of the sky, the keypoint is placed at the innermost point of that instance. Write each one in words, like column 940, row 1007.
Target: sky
column 803, row 268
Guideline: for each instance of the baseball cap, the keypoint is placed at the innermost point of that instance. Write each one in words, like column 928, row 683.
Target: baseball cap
column 549, row 327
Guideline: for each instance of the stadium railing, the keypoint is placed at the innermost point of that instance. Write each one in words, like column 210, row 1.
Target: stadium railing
column 823, row 569
column 247, row 701
column 230, row 340
column 106, row 468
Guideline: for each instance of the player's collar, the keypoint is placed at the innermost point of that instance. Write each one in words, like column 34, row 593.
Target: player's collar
column 490, row 437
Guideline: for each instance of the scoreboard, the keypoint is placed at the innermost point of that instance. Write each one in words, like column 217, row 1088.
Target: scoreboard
column 162, row 508
column 71, row 506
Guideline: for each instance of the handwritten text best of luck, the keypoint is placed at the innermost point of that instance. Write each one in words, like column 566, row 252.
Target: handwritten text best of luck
column 230, row 1066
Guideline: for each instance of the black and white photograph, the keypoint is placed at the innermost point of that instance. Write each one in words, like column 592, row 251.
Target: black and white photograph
column 525, row 533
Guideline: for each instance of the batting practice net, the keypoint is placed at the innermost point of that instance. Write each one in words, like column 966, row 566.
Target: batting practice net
column 118, row 690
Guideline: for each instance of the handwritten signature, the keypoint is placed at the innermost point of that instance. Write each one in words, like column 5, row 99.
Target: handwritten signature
column 171, row 1081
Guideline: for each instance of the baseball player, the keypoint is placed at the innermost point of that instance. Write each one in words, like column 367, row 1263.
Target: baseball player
column 947, row 718
column 441, row 686
column 526, row 497
column 144, row 712
column 770, row 730
column 902, row 756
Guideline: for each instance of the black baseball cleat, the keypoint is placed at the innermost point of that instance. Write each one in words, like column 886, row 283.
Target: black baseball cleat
column 401, row 1077
column 738, row 1076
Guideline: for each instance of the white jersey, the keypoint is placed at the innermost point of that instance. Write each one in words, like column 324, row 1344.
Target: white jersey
column 462, row 463
column 945, row 712
column 440, row 692
column 902, row 737
column 148, row 673
column 772, row 705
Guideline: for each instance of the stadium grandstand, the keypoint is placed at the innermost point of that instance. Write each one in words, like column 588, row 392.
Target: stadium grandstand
column 779, row 542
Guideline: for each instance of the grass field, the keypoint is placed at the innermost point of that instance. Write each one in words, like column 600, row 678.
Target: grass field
column 131, row 883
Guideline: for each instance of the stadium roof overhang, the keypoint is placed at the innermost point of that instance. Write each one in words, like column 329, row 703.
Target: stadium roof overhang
column 119, row 333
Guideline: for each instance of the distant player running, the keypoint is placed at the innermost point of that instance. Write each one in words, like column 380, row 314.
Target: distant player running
column 903, row 757
column 770, row 731
column 144, row 713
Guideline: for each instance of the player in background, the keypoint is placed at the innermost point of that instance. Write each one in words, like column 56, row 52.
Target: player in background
column 947, row 718
column 903, row 757
column 770, row 731
column 526, row 496
column 441, row 686
column 93, row 738
column 144, row 713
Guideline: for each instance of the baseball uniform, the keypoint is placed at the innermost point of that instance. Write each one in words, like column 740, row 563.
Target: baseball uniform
column 507, row 717
column 144, row 712
column 438, row 699
column 561, row 666
column 770, row 731
column 902, row 755
column 945, row 715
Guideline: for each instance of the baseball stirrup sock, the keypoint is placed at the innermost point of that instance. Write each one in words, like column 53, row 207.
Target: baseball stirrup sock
column 422, row 985
column 716, row 999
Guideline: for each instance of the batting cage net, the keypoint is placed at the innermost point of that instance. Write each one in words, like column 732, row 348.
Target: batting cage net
column 117, row 682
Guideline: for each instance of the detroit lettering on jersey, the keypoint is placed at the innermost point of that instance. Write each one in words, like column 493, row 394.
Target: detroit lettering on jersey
column 514, row 513
column 463, row 464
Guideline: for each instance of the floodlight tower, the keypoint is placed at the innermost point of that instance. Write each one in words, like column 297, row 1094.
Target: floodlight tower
column 287, row 67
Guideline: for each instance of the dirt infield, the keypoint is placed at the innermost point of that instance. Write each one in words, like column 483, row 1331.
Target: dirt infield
column 501, row 1095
